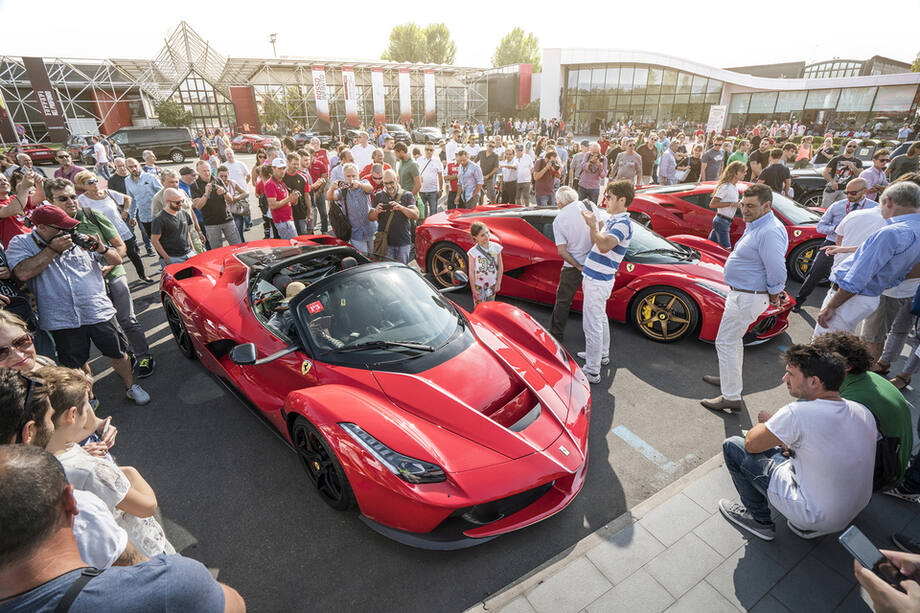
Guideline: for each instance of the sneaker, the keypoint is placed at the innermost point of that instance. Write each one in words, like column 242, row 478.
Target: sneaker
column 592, row 377
column 741, row 517
column 150, row 254
column 906, row 543
column 797, row 307
column 137, row 394
column 605, row 359
column 808, row 534
column 145, row 366
column 899, row 492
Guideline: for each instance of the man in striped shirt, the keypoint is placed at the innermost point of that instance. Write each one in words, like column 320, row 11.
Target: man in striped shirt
column 609, row 243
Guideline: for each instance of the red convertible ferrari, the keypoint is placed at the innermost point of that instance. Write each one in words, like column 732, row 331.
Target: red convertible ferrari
column 667, row 289
column 684, row 209
column 443, row 428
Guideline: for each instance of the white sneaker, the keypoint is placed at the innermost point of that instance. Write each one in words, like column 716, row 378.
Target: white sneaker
column 592, row 377
column 605, row 359
column 137, row 394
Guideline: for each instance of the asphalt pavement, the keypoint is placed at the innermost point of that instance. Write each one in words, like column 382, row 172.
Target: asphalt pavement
column 233, row 495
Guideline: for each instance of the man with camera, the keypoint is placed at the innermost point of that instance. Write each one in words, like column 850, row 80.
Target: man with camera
column 213, row 199
column 64, row 270
column 394, row 209
column 545, row 172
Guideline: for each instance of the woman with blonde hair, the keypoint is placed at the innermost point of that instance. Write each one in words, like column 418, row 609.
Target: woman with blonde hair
column 805, row 149
column 725, row 201
column 825, row 152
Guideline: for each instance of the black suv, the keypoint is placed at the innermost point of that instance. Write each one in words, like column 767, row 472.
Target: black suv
column 174, row 144
column 399, row 133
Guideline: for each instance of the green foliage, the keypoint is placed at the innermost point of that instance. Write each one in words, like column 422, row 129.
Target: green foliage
column 173, row 114
column 430, row 45
column 530, row 111
column 518, row 47
column 915, row 67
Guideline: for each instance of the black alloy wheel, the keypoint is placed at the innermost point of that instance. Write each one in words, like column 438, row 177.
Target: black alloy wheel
column 322, row 466
column 179, row 331
column 801, row 258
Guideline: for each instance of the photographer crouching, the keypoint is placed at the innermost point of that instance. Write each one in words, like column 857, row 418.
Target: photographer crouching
column 64, row 270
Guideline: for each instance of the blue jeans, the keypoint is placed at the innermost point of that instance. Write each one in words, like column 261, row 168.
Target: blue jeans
column 430, row 200
column 720, row 231
column 545, row 200
column 240, row 222
column 751, row 474
column 590, row 194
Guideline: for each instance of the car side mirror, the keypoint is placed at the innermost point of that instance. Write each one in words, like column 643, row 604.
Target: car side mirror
column 460, row 280
column 244, row 354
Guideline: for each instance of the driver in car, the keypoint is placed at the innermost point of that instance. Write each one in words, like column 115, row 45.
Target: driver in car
column 282, row 319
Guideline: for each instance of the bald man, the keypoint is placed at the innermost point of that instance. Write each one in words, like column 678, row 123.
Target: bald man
column 394, row 209
column 855, row 200
column 171, row 228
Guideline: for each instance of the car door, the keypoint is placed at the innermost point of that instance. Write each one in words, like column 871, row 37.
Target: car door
column 542, row 273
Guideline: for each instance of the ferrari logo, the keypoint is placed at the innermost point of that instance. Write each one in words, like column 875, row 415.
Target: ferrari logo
column 564, row 451
column 305, row 367
column 796, row 233
column 630, row 267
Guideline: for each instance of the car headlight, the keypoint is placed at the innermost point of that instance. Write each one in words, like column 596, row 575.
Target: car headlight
column 405, row 467
column 715, row 289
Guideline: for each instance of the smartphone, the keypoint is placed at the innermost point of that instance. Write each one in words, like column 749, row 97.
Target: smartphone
column 861, row 548
column 105, row 429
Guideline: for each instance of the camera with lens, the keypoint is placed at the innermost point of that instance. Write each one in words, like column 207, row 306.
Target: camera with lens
column 84, row 240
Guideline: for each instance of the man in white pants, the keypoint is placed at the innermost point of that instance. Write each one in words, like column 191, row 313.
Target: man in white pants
column 609, row 243
column 884, row 260
column 756, row 274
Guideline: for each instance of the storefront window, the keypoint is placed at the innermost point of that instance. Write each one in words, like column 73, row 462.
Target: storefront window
column 669, row 81
column 739, row 103
column 762, row 103
column 597, row 80
column 640, row 79
column 683, row 83
column 856, row 99
column 790, row 102
column 654, row 80
column 613, row 78
column 895, row 98
column 822, row 99
column 626, row 79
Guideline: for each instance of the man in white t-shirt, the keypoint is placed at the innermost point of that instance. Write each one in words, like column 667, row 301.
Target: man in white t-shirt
column 573, row 242
column 431, row 171
column 239, row 173
column 101, row 157
column 813, row 460
column 362, row 151
column 524, row 175
column 452, row 145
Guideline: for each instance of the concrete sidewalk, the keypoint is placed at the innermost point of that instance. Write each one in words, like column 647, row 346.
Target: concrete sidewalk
column 675, row 552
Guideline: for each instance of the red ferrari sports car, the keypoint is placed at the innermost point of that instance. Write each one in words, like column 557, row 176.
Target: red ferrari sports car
column 38, row 152
column 684, row 209
column 250, row 143
column 444, row 428
column 667, row 289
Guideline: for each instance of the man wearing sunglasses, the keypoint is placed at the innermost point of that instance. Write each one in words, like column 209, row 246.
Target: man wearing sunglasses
column 67, row 281
column 838, row 172
column 875, row 178
column 68, row 169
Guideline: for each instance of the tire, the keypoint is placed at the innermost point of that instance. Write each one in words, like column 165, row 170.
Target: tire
column 442, row 260
column 322, row 467
column 248, row 147
column 179, row 331
column 800, row 259
column 812, row 199
column 177, row 156
column 664, row 314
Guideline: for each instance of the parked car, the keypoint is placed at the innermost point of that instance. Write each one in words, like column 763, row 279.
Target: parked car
column 303, row 138
column 684, row 209
column 174, row 144
column 250, row 143
column 808, row 186
column 444, row 429
column 901, row 148
column 37, row 152
column 399, row 133
column 80, row 147
column 426, row 134
column 666, row 289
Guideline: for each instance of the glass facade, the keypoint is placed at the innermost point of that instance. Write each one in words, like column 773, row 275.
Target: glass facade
column 832, row 69
column 602, row 94
column 209, row 107
column 839, row 109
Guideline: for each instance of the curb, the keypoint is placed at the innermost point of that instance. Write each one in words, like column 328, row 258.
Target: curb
column 555, row 564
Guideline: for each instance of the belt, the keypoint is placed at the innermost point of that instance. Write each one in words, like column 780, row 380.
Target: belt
column 835, row 287
column 747, row 291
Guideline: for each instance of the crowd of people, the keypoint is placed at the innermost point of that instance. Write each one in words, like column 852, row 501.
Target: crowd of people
column 64, row 289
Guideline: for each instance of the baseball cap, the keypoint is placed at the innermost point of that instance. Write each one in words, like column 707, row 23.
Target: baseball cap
column 279, row 163
column 50, row 215
column 519, row 147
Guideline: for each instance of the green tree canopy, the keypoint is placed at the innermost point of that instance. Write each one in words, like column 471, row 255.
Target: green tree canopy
column 518, row 47
column 173, row 114
column 915, row 67
column 412, row 43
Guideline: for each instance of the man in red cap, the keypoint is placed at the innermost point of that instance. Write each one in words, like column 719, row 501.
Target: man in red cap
column 64, row 271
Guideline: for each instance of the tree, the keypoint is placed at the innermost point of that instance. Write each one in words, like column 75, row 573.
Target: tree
column 407, row 44
column 439, row 46
column 173, row 114
column 915, row 67
column 430, row 45
column 518, row 47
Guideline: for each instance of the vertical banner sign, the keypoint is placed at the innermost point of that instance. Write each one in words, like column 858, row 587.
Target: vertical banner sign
column 405, row 96
column 429, row 96
column 351, row 96
column 716, row 122
column 377, row 91
column 322, row 98
column 46, row 97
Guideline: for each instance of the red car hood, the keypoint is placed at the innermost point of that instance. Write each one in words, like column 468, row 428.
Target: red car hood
column 708, row 268
column 481, row 394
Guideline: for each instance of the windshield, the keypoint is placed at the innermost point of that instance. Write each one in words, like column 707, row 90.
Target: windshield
column 646, row 246
column 793, row 212
column 380, row 307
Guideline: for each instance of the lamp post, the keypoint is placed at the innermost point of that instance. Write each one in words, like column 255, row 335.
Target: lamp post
column 272, row 38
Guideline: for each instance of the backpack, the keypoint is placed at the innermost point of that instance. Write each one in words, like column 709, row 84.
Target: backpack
column 338, row 219
column 887, row 459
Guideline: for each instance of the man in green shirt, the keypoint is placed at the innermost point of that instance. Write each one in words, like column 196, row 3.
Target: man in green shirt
column 872, row 391
column 409, row 177
column 96, row 224
column 741, row 155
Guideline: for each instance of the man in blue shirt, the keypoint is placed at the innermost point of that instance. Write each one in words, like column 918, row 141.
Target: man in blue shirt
column 856, row 200
column 470, row 181
column 884, row 260
column 756, row 274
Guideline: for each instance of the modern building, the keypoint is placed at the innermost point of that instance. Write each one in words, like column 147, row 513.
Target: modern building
column 594, row 87
column 49, row 98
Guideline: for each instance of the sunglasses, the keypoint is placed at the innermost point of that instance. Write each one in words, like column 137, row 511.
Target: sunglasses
column 853, row 193
column 92, row 182
column 19, row 344
column 389, row 182
column 884, row 160
column 66, row 198
column 62, row 157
